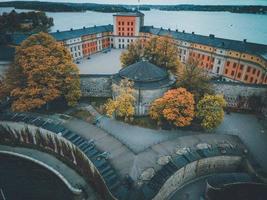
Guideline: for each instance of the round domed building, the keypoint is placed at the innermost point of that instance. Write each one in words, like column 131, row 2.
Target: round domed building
column 150, row 82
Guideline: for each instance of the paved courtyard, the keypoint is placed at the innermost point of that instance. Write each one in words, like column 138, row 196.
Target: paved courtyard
column 101, row 63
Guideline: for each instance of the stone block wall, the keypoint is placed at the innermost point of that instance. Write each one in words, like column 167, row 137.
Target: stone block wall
column 232, row 91
column 100, row 86
column 96, row 85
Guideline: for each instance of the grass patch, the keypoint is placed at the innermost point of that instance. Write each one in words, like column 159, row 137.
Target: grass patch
column 144, row 121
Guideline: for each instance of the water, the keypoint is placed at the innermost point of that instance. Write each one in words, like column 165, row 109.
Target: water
column 252, row 27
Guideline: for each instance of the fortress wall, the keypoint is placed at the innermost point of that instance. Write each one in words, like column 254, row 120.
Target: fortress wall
column 100, row 86
column 195, row 169
column 96, row 85
column 230, row 89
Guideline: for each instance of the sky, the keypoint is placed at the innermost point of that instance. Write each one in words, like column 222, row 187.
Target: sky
column 200, row 2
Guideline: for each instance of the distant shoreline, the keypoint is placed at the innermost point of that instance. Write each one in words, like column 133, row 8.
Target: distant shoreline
column 112, row 8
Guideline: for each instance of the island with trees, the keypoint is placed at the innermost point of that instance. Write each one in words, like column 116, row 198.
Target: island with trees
column 64, row 7
column 25, row 22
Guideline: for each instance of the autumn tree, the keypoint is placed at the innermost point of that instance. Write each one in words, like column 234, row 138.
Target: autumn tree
column 210, row 111
column 122, row 105
column 42, row 72
column 175, row 107
column 133, row 54
column 160, row 51
column 194, row 79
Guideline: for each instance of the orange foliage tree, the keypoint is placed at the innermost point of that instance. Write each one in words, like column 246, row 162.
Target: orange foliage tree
column 175, row 107
column 42, row 72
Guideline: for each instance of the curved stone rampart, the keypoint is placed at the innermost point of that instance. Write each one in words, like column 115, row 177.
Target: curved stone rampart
column 63, row 149
column 195, row 169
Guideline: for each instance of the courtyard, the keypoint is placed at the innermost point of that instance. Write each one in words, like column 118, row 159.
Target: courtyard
column 101, row 63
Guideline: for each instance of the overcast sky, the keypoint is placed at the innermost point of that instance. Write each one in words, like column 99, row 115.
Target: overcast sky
column 210, row 2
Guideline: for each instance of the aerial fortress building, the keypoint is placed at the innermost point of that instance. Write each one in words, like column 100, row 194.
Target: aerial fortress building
column 239, row 61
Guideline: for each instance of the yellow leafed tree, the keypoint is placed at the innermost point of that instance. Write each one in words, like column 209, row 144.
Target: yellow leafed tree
column 123, row 103
column 42, row 72
column 210, row 111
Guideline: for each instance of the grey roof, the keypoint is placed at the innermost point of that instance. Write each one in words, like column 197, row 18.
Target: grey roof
column 241, row 46
column 143, row 71
column 135, row 14
column 65, row 35
column 7, row 53
column 144, row 75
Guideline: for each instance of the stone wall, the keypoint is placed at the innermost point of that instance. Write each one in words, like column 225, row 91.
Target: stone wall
column 96, row 85
column 232, row 91
column 195, row 169
column 100, row 86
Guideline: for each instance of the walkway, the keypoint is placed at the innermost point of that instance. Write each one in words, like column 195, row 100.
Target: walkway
column 125, row 161
column 250, row 131
column 136, row 138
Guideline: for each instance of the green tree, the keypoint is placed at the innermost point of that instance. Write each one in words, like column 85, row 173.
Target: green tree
column 210, row 111
column 25, row 22
column 176, row 107
column 122, row 105
column 194, row 79
column 42, row 72
column 160, row 51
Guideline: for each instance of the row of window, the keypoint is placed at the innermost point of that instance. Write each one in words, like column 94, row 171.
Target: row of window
column 128, row 29
column 128, row 34
column 241, row 67
column 128, row 40
column 198, row 55
column 75, row 55
column 128, row 23
column 75, row 48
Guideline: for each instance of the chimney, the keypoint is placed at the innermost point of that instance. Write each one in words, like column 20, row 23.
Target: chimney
column 84, row 27
column 212, row 36
column 183, row 31
column 245, row 40
column 71, row 29
column 169, row 29
column 193, row 33
column 57, row 31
